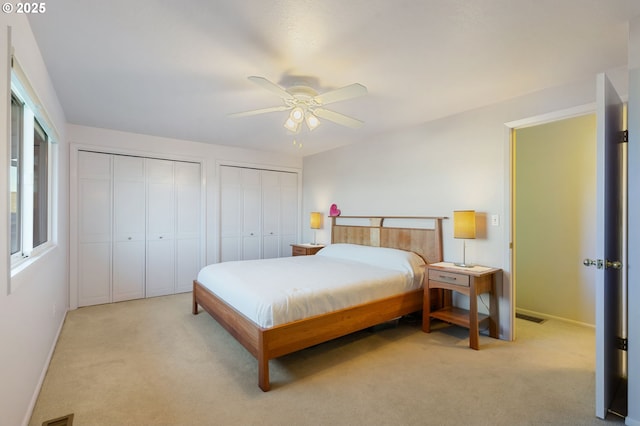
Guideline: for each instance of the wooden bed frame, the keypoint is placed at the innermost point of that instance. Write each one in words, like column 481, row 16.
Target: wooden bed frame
column 268, row 343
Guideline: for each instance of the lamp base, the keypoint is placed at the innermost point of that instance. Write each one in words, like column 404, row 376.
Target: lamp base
column 463, row 265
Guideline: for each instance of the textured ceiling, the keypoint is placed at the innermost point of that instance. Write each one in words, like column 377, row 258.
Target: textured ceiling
column 177, row 68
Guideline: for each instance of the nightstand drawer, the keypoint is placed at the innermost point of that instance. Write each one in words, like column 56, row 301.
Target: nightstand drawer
column 449, row 277
column 298, row 251
column 305, row 249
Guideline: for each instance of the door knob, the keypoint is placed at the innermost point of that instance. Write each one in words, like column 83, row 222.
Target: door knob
column 615, row 264
column 598, row 263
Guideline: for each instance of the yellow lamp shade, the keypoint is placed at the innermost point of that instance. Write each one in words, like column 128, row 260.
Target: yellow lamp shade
column 464, row 224
column 315, row 220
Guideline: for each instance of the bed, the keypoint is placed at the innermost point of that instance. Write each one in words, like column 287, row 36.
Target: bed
column 276, row 334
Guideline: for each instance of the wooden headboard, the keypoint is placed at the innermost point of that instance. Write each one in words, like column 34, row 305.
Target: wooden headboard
column 372, row 231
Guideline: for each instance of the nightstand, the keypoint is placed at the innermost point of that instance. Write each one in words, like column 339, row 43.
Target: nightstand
column 470, row 282
column 305, row 249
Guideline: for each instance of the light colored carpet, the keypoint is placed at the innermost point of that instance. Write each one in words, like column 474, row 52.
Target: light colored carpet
column 151, row 362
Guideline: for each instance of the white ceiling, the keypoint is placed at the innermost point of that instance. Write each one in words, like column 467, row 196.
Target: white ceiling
column 177, row 68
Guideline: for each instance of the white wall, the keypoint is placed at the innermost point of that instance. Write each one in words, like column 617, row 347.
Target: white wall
column 458, row 162
column 31, row 316
column 209, row 155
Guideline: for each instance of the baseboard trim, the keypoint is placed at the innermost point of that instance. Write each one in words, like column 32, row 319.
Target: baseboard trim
column 547, row 316
column 36, row 393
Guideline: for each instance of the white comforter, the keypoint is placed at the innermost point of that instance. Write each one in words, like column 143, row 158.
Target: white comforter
column 277, row 291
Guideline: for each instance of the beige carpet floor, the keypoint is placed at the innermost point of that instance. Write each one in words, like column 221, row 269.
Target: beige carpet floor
column 151, row 362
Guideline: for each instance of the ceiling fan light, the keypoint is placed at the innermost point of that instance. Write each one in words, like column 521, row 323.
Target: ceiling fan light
column 291, row 125
column 297, row 115
column 312, row 121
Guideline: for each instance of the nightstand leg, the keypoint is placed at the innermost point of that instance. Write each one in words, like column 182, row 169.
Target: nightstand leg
column 426, row 309
column 473, row 316
column 493, row 305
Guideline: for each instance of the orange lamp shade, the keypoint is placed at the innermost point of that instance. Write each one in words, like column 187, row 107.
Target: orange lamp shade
column 464, row 224
column 315, row 220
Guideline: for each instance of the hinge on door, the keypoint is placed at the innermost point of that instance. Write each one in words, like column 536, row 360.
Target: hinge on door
column 624, row 136
column 622, row 343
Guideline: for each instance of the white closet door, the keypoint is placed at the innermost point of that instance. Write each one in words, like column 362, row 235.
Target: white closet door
column 288, row 212
column 270, row 214
column 187, row 184
column 251, row 208
column 230, row 213
column 258, row 213
column 160, row 265
column 129, row 228
column 94, row 228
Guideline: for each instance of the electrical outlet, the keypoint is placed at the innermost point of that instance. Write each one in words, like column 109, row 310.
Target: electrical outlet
column 495, row 220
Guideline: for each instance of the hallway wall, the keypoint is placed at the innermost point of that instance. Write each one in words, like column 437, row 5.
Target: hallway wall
column 555, row 205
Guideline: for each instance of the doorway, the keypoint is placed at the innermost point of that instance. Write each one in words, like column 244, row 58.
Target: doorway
column 554, row 198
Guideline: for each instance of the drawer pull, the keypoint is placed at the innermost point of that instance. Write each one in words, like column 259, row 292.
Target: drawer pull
column 446, row 277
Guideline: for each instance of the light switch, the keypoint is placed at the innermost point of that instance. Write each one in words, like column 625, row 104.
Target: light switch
column 495, row 220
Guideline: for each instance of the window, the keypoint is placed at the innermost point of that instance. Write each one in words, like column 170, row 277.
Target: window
column 29, row 179
column 15, row 169
column 40, row 185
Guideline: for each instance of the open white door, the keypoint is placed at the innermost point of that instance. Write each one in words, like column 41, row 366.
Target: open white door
column 610, row 294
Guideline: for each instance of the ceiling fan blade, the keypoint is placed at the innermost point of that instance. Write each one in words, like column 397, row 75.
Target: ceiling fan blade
column 347, row 92
column 260, row 111
column 272, row 87
column 338, row 118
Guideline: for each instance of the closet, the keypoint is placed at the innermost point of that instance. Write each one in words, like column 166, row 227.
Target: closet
column 259, row 213
column 138, row 227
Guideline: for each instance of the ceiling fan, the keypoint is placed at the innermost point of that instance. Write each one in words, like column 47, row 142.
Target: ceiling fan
column 307, row 105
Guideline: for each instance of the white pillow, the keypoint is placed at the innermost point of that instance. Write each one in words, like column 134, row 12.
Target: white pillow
column 399, row 260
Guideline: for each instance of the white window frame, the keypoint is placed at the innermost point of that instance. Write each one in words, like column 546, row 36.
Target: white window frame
column 32, row 111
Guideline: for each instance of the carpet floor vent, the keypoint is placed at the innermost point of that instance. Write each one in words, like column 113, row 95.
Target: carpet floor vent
column 60, row 421
column 530, row 318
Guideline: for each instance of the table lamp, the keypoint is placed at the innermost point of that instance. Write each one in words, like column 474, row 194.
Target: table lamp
column 464, row 227
column 315, row 222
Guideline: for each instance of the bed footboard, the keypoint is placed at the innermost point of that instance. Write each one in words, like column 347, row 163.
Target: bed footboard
column 245, row 331
column 266, row 344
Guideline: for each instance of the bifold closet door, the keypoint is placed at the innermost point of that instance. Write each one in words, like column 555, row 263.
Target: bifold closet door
column 230, row 213
column 138, row 228
column 279, row 213
column 160, row 264
column 94, row 228
column 129, row 212
column 187, row 186
column 258, row 213
column 251, row 208
column 270, row 214
column 288, row 212
column 240, row 214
